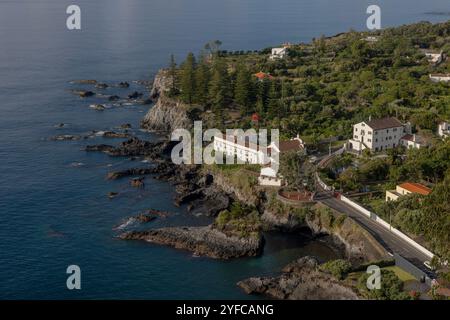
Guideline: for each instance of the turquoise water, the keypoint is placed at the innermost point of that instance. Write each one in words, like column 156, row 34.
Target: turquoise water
column 53, row 214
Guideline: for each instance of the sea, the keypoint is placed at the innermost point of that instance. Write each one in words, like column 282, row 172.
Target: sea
column 54, row 208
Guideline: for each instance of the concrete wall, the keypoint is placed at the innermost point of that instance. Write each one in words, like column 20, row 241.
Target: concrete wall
column 386, row 225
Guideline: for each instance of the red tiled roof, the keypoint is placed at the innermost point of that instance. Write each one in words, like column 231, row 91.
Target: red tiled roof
column 261, row 75
column 408, row 137
column 416, row 188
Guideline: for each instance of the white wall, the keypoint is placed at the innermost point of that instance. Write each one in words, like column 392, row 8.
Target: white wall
column 386, row 225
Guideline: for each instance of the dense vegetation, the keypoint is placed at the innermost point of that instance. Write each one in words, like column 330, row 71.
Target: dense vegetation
column 324, row 87
column 240, row 221
column 391, row 287
column 338, row 268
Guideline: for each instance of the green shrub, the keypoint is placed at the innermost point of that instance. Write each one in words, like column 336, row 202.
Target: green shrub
column 338, row 268
column 391, row 287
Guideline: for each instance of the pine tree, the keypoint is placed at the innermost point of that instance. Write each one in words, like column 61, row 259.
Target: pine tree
column 173, row 72
column 262, row 96
column 273, row 105
column 202, row 78
column 243, row 92
column 188, row 79
column 220, row 86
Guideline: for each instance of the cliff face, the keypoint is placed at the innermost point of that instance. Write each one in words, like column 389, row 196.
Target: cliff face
column 167, row 114
column 360, row 246
column 161, row 83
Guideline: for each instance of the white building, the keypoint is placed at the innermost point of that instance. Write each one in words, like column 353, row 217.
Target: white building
column 278, row 53
column 444, row 129
column 440, row 77
column 381, row 134
column 372, row 39
column 405, row 189
column 249, row 152
column 434, row 57
column 412, row 141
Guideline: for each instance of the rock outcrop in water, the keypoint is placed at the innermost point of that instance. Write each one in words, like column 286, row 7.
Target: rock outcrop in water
column 133, row 147
column 300, row 280
column 203, row 241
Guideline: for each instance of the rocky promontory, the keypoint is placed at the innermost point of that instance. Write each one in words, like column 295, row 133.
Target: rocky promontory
column 167, row 114
column 202, row 241
column 300, row 280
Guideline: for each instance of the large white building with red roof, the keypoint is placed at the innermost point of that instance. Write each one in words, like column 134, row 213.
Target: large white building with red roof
column 250, row 152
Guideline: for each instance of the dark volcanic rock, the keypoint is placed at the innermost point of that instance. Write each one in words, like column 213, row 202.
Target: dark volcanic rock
column 101, row 85
column 137, row 183
column 113, row 98
column 125, row 126
column 86, row 94
column 129, row 172
column 124, row 84
column 151, row 215
column 112, row 194
column 145, row 218
column 85, row 81
column 300, row 280
column 135, row 147
column 98, row 107
column 100, row 147
column 112, row 134
column 135, row 95
column 200, row 240
column 66, row 137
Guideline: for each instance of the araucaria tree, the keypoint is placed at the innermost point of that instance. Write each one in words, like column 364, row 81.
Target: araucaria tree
column 220, row 86
column 188, row 79
column 243, row 92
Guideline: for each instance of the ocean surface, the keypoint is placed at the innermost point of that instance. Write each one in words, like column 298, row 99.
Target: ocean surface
column 54, row 209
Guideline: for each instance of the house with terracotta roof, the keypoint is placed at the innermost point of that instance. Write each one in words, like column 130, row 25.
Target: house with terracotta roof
column 263, row 76
column 405, row 189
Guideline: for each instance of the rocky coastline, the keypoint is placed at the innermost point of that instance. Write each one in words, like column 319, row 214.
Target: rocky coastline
column 207, row 192
column 300, row 280
column 202, row 241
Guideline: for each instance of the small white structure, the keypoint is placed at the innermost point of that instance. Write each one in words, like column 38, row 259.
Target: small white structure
column 372, row 39
column 444, row 129
column 269, row 177
column 434, row 57
column 405, row 189
column 440, row 77
column 249, row 152
column 412, row 141
column 278, row 53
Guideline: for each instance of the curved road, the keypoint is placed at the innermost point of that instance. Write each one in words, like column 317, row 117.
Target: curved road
column 389, row 240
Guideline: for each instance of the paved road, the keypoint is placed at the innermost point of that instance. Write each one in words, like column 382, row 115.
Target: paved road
column 390, row 241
